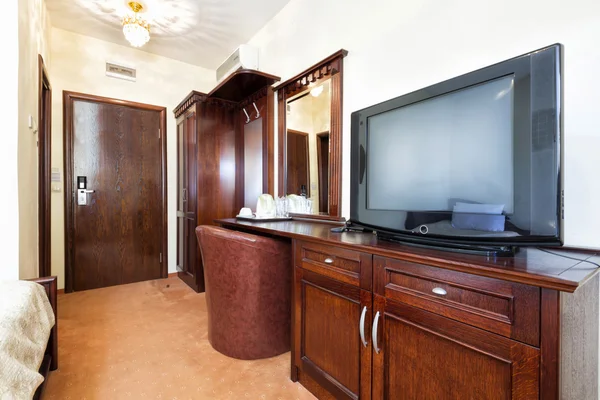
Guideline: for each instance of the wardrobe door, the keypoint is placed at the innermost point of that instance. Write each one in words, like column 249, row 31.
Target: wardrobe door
column 187, row 245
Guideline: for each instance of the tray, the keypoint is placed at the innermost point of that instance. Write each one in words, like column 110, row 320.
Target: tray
column 268, row 219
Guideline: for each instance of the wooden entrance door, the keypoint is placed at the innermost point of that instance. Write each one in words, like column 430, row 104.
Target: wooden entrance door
column 118, row 147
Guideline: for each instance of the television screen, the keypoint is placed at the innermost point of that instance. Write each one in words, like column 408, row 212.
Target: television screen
column 455, row 146
column 472, row 160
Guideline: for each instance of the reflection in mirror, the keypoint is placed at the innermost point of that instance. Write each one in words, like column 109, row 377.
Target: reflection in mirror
column 307, row 145
column 253, row 163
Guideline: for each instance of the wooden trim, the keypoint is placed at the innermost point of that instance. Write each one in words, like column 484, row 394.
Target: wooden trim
column 44, row 168
column 281, row 145
column 270, row 159
column 238, row 127
column 242, row 72
column 68, row 99
column 335, row 144
column 312, row 72
column 525, row 267
column 188, row 101
column 265, row 139
column 110, row 100
column 329, row 68
column 550, row 345
column 165, row 194
column 323, row 197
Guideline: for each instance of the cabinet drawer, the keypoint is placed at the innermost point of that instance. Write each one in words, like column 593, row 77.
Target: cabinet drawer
column 348, row 266
column 506, row 308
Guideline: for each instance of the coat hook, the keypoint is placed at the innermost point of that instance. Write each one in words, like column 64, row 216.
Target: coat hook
column 257, row 112
column 247, row 116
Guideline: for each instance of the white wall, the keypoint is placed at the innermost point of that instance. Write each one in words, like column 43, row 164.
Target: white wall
column 9, row 201
column 396, row 47
column 78, row 64
column 34, row 37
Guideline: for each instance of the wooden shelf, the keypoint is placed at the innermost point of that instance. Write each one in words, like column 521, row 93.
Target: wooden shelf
column 241, row 84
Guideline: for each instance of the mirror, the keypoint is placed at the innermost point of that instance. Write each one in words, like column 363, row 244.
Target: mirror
column 307, row 146
column 310, row 142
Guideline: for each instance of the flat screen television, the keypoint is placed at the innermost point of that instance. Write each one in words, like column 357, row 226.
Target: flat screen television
column 471, row 163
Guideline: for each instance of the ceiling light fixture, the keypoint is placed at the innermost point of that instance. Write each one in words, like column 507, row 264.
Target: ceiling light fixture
column 135, row 28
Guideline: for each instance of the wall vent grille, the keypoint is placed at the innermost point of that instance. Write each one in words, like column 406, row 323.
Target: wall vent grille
column 120, row 71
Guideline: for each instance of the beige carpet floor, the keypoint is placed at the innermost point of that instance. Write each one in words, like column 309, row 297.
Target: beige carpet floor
column 148, row 340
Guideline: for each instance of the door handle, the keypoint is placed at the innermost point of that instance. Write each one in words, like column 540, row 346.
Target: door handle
column 82, row 196
column 361, row 326
column 374, row 332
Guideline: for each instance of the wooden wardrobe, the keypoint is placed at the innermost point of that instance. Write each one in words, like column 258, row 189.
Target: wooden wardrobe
column 220, row 135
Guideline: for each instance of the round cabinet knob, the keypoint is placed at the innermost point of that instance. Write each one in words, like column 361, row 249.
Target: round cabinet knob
column 328, row 261
column 440, row 291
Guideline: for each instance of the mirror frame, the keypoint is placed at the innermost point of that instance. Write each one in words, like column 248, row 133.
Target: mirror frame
column 329, row 68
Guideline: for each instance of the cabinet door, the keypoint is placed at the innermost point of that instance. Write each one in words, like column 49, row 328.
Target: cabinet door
column 187, row 245
column 329, row 351
column 421, row 355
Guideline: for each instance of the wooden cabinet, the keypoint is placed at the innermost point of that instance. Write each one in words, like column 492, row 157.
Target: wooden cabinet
column 506, row 308
column 187, row 248
column 331, row 350
column 421, row 355
column 332, row 321
column 370, row 326
column 206, row 143
column 214, row 146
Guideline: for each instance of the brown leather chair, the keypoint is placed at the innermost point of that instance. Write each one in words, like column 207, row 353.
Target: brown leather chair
column 248, row 292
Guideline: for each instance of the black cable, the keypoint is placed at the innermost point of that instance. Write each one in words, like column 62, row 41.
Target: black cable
column 572, row 258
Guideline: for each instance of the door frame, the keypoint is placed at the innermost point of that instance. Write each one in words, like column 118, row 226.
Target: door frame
column 44, row 169
column 305, row 135
column 323, row 194
column 68, row 100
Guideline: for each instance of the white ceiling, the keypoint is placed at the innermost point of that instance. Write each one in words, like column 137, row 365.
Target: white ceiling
column 199, row 32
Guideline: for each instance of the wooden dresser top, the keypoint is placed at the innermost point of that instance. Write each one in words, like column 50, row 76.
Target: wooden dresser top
column 530, row 265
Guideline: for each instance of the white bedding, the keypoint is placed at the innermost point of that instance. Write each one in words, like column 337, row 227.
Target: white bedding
column 26, row 319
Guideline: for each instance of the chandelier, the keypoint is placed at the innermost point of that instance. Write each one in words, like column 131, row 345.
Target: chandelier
column 135, row 28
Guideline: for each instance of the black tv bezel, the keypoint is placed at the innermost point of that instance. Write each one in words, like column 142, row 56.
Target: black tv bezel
column 514, row 65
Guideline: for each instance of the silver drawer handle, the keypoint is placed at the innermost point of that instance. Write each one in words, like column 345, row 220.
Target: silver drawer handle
column 362, row 326
column 328, row 261
column 440, row 291
column 374, row 333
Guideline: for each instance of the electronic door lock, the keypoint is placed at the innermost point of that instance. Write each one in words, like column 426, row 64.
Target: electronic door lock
column 82, row 196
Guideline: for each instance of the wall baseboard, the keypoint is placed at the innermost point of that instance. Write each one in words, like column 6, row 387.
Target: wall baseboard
column 171, row 275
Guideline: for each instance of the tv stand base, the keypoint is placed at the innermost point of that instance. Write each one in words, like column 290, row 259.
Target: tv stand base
column 489, row 251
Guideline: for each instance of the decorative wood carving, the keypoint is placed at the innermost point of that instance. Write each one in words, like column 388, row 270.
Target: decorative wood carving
column 198, row 97
column 192, row 98
column 259, row 94
column 320, row 71
column 330, row 68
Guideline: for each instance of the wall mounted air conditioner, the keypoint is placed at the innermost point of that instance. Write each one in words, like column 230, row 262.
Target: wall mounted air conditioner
column 244, row 56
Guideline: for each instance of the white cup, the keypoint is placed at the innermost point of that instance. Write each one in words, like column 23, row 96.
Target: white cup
column 246, row 212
